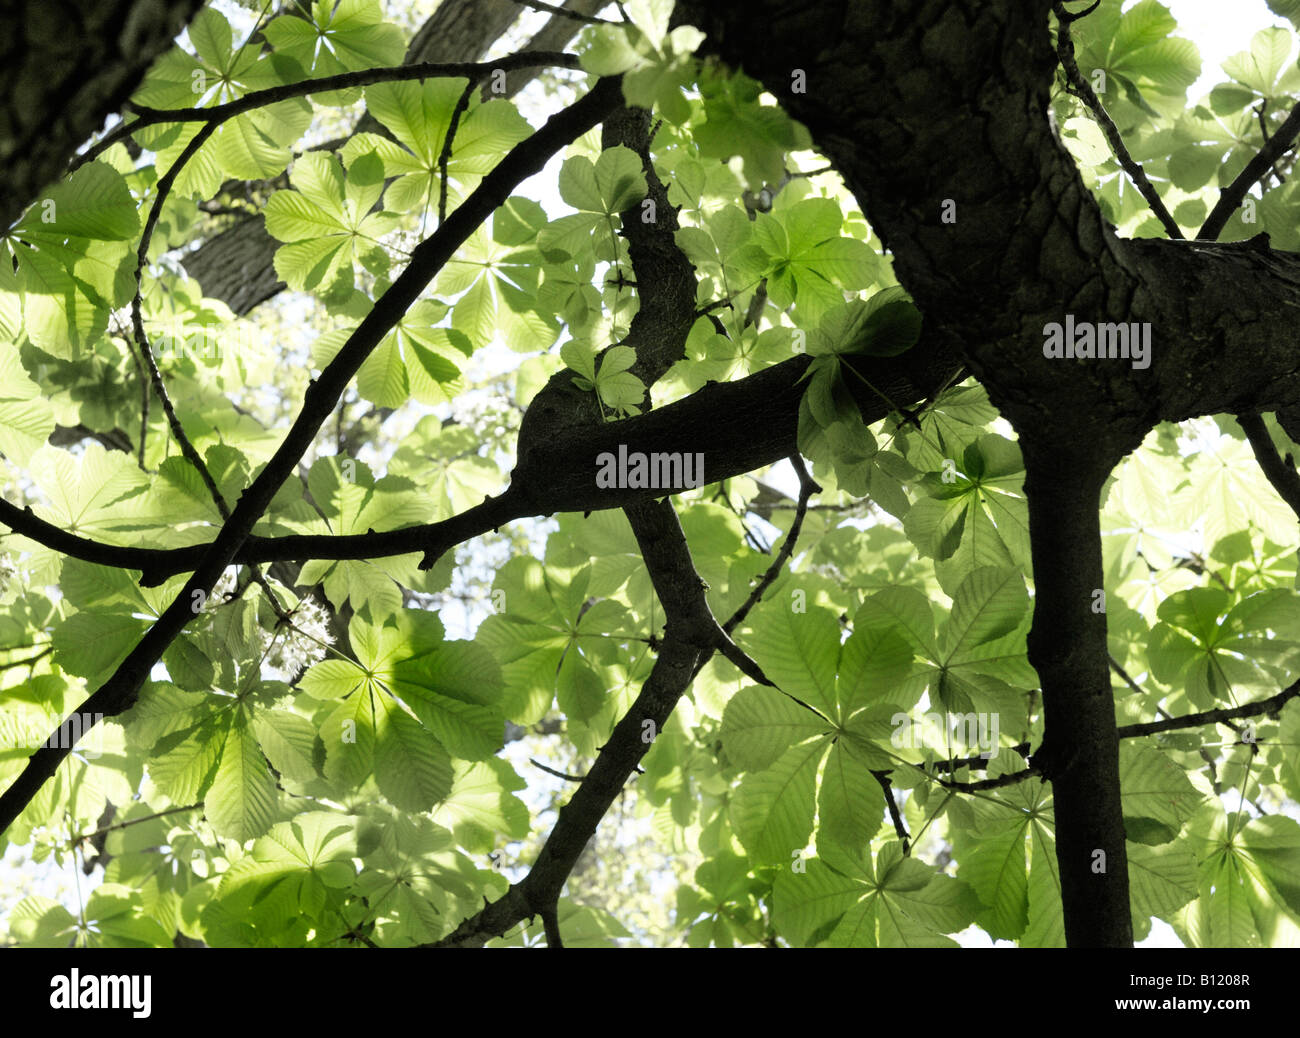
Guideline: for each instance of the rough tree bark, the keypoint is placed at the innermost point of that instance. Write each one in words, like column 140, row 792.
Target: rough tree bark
column 922, row 101
column 65, row 65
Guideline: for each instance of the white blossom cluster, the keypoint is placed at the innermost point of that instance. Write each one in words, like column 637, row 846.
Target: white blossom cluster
column 292, row 649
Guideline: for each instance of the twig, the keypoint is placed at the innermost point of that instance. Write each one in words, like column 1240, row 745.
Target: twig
column 1231, row 196
column 1065, row 51
column 1282, row 476
column 137, row 317
column 551, row 771
column 136, row 821
column 1263, row 131
column 145, row 116
column 28, row 659
column 807, row 487
column 445, row 156
column 887, row 787
column 1222, row 715
column 563, row 12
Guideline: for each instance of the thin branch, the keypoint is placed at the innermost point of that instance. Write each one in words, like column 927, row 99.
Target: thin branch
column 1263, row 132
column 445, row 155
column 136, row 821
column 1065, row 51
column 28, row 659
column 1282, row 476
column 807, row 487
column 551, row 771
column 564, row 12
column 887, row 787
column 1232, row 195
column 976, row 762
column 1124, row 676
column 137, row 317
column 1222, row 715
column 145, row 116
column 1009, row 779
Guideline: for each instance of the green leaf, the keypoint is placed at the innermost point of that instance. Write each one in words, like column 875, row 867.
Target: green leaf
column 241, row 803
column 800, row 652
column 411, row 768
column 772, row 811
column 760, row 724
column 989, row 603
column 610, row 185
column 94, row 202
column 1156, row 794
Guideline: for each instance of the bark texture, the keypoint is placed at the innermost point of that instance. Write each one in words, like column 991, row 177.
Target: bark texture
column 65, row 66
column 922, row 102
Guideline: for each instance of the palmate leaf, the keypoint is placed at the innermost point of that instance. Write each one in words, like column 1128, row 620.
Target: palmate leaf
column 1007, row 855
column 1247, row 893
column 339, row 37
column 608, row 186
column 288, row 877
column 419, row 116
column 738, row 124
column 327, row 224
column 895, row 902
column 416, row 360
column 482, row 810
column 807, row 261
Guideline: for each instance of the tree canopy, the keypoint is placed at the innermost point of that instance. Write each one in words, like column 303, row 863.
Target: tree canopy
column 673, row 473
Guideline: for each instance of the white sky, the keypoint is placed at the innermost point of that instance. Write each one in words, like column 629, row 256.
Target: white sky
column 1220, row 28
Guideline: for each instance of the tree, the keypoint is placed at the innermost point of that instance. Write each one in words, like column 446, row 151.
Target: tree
column 938, row 252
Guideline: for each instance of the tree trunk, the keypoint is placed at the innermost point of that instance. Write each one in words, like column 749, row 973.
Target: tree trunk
column 65, row 66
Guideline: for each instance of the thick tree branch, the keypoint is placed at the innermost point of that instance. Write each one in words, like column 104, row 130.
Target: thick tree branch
column 743, row 426
column 1232, row 195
